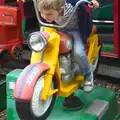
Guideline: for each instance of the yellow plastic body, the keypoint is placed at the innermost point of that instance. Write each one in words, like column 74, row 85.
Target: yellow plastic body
column 94, row 48
column 50, row 56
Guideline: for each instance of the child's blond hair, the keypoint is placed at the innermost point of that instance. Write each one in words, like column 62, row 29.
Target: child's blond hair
column 50, row 4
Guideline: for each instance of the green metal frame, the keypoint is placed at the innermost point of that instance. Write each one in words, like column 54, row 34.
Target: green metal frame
column 58, row 113
column 105, row 12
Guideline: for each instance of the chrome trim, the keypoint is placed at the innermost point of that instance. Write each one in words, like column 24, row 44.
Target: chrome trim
column 103, row 21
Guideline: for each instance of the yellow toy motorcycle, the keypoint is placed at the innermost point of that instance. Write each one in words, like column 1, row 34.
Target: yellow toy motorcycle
column 51, row 71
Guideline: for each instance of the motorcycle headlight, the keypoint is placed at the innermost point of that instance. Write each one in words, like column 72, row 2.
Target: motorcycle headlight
column 36, row 41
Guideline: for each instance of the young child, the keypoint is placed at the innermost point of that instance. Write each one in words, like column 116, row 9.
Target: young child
column 59, row 11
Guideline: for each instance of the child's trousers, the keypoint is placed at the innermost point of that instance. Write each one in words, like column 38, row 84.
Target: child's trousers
column 79, row 54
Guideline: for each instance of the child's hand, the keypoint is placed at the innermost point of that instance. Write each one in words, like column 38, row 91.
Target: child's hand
column 94, row 5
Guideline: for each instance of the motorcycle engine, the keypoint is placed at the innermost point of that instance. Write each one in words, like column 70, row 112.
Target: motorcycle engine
column 68, row 67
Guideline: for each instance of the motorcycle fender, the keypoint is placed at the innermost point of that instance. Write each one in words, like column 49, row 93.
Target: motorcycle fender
column 25, row 83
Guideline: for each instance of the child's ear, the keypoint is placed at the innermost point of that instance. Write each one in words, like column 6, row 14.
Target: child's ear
column 61, row 11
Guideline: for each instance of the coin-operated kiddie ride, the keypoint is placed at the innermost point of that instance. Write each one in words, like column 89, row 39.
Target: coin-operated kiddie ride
column 37, row 91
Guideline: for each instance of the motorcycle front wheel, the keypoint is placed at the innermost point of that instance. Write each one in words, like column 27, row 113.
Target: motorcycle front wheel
column 36, row 109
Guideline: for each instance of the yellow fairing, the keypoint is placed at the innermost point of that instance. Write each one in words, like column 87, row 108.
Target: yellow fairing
column 51, row 52
column 94, row 48
column 49, row 56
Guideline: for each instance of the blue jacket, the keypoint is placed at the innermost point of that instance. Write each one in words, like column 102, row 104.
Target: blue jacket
column 85, row 21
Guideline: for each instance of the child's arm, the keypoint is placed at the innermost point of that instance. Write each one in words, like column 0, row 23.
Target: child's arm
column 95, row 4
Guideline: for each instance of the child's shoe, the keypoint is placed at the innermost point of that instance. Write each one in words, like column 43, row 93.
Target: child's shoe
column 89, row 84
column 72, row 103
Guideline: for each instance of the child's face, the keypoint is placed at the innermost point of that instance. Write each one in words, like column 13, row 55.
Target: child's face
column 49, row 15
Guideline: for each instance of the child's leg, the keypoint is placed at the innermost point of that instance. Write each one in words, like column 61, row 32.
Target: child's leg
column 81, row 58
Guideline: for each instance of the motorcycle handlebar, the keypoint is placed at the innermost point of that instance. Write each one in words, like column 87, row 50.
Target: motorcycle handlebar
column 58, row 26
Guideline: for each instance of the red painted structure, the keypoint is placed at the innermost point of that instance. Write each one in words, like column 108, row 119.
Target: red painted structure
column 10, row 30
column 116, row 53
column 2, row 2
